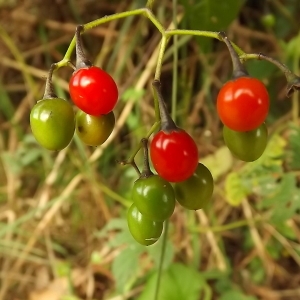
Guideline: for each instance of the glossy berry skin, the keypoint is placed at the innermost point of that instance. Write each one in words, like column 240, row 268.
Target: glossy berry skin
column 195, row 192
column 144, row 230
column 93, row 91
column 52, row 123
column 174, row 155
column 247, row 146
column 154, row 197
column 243, row 103
column 94, row 131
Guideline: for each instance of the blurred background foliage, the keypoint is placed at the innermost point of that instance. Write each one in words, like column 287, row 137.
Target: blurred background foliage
column 63, row 232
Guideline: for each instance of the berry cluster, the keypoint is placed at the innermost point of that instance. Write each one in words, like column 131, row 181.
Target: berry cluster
column 95, row 94
column 174, row 156
column 243, row 105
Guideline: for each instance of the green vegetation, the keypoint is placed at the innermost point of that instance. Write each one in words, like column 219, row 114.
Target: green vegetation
column 63, row 228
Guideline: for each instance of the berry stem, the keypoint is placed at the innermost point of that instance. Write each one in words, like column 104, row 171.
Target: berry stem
column 166, row 122
column 154, row 128
column 146, row 172
column 81, row 59
column 238, row 68
column 292, row 79
column 175, row 64
column 132, row 163
column 162, row 49
column 49, row 88
column 162, row 257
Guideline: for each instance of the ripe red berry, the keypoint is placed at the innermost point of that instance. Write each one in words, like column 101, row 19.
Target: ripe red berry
column 93, row 90
column 174, row 155
column 243, row 104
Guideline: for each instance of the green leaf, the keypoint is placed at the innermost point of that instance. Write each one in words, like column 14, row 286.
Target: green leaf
column 260, row 69
column 6, row 106
column 218, row 163
column 133, row 94
column 155, row 252
column 257, row 271
column 177, row 283
column 113, row 224
column 284, row 201
column 234, row 189
column 293, row 157
column 30, row 156
column 210, row 15
column 11, row 162
column 236, row 295
column 125, row 267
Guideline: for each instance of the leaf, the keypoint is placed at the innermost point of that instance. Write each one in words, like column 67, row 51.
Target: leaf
column 218, row 163
column 125, row 267
column 155, row 252
column 210, row 15
column 284, row 201
column 293, row 157
column 133, row 94
column 236, row 295
column 121, row 238
column 113, row 224
column 271, row 159
column 235, row 192
column 11, row 162
column 30, row 156
column 274, row 152
column 260, row 69
column 177, row 283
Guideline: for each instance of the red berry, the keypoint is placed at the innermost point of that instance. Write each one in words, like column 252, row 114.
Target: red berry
column 174, row 155
column 243, row 104
column 93, row 90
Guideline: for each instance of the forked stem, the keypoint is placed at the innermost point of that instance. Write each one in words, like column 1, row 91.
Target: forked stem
column 292, row 79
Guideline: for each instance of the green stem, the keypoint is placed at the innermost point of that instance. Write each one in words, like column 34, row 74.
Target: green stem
column 174, row 97
column 260, row 56
column 162, row 49
column 141, row 11
column 149, row 4
column 65, row 61
column 161, row 260
column 153, row 19
column 292, row 79
column 221, row 228
column 209, row 34
column 154, row 128
column 175, row 65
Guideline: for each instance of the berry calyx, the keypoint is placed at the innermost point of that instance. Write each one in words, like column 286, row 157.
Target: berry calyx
column 243, row 102
column 52, row 119
column 92, row 89
column 173, row 151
